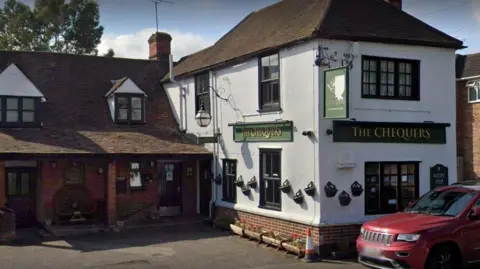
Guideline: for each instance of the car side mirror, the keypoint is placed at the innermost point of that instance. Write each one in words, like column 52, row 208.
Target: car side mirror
column 475, row 213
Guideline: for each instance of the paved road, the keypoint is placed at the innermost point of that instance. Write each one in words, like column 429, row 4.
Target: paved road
column 182, row 247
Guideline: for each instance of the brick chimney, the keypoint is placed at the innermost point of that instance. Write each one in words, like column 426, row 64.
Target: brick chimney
column 159, row 44
column 395, row 3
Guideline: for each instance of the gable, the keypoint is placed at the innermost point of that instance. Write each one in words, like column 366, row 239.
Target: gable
column 128, row 86
column 13, row 82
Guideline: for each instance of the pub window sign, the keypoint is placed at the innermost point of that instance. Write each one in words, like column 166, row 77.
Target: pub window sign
column 276, row 131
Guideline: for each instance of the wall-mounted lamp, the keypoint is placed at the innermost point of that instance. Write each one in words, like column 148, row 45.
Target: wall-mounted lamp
column 323, row 59
column 329, row 132
column 53, row 164
column 100, row 170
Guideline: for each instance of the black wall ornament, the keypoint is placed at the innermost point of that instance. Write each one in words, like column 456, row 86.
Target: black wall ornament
column 252, row 183
column 357, row 189
column 310, row 189
column 239, row 182
column 286, row 187
column 330, row 190
column 298, row 197
column 344, row 198
column 218, row 179
column 246, row 190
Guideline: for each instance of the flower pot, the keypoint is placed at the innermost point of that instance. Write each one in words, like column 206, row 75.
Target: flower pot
column 236, row 230
column 344, row 198
column 271, row 241
column 252, row 235
column 310, row 189
column 246, row 190
column 239, row 182
column 252, row 183
column 298, row 198
column 357, row 189
column 330, row 190
column 290, row 248
column 286, row 187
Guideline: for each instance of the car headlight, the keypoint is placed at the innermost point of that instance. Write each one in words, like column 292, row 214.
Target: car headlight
column 362, row 230
column 408, row 237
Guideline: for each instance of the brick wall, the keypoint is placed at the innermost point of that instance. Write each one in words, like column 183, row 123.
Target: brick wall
column 468, row 133
column 333, row 235
column 2, row 184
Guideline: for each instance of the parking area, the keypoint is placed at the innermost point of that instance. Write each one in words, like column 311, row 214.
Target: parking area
column 189, row 246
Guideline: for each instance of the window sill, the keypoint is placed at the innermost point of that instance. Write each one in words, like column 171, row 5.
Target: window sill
column 273, row 208
column 270, row 110
column 473, row 102
column 232, row 201
column 390, row 98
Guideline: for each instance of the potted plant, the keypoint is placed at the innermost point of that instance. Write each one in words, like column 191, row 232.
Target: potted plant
column 252, row 183
column 310, row 189
column 357, row 189
column 271, row 238
column 330, row 190
column 298, row 197
column 286, row 187
column 344, row 198
column 253, row 232
column 239, row 182
column 295, row 245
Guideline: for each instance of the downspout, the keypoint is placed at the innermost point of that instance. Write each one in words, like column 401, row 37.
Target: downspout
column 214, row 112
column 181, row 94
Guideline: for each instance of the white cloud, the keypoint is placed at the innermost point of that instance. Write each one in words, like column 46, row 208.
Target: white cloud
column 136, row 45
column 476, row 9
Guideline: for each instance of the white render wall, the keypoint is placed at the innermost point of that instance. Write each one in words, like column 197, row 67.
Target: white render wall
column 305, row 160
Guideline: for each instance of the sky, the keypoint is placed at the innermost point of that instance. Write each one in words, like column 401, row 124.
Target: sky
column 196, row 24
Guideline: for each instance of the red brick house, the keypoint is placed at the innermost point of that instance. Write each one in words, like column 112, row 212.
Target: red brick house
column 87, row 139
column 468, row 112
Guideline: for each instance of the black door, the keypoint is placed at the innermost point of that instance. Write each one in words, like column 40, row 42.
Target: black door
column 20, row 193
column 170, row 184
column 205, row 187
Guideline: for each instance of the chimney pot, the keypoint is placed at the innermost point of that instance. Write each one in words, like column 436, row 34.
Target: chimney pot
column 395, row 3
column 159, row 46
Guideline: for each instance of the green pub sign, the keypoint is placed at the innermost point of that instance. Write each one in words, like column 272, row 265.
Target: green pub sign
column 335, row 93
column 438, row 176
column 277, row 131
column 390, row 132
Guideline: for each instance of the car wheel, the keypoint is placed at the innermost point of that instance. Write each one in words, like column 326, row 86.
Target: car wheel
column 444, row 257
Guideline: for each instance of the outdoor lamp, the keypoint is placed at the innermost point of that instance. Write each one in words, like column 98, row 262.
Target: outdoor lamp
column 203, row 118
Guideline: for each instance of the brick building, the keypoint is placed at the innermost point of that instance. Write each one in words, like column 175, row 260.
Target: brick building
column 327, row 114
column 87, row 139
column 468, row 111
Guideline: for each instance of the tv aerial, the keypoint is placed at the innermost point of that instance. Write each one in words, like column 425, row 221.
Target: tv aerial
column 156, row 2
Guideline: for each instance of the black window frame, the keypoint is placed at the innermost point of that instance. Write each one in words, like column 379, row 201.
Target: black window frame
column 129, row 96
column 277, row 180
column 202, row 92
column 18, row 182
column 229, row 190
column 415, row 79
column 262, row 105
column 20, row 123
column 381, row 198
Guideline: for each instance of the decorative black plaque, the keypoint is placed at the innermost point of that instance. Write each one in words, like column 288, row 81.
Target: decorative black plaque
column 74, row 174
column 438, row 176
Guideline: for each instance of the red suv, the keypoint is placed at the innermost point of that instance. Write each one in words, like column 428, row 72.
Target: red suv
column 440, row 230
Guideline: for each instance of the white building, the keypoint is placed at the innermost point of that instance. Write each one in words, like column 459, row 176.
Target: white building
column 393, row 120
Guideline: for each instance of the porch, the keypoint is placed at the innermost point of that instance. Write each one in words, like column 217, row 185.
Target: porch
column 82, row 193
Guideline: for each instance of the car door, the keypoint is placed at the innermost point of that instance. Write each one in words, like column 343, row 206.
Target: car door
column 470, row 238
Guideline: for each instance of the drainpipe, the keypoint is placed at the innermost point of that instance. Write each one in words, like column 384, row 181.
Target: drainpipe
column 213, row 111
column 181, row 94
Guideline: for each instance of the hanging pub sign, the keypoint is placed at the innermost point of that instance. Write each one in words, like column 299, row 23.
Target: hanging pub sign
column 438, row 176
column 390, row 132
column 275, row 131
column 335, row 93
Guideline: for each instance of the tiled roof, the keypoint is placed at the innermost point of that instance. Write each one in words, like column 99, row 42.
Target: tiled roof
column 468, row 65
column 289, row 21
column 76, row 117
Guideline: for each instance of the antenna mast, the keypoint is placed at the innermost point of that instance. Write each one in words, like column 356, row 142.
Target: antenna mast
column 156, row 2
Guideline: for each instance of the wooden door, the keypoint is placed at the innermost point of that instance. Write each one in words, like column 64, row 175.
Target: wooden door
column 205, row 187
column 170, row 188
column 20, row 193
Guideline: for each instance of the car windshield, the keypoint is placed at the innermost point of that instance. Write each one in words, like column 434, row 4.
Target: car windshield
column 442, row 203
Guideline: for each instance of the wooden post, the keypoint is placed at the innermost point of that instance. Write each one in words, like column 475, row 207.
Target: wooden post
column 111, row 194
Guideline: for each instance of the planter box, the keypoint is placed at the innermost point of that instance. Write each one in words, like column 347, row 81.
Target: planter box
column 271, row 241
column 293, row 249
column 237, row 230
column 252, row 235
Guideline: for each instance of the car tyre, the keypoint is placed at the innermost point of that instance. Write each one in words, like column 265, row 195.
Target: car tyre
column 444, row 257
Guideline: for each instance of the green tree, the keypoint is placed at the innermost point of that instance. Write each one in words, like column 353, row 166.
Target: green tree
column 109, row 53
column 52, row 25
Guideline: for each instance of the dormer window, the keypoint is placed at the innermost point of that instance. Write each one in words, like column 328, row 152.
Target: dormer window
column 129, row 108
column 126, row 102
column 19, row 111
